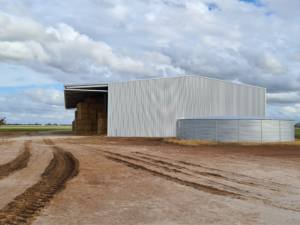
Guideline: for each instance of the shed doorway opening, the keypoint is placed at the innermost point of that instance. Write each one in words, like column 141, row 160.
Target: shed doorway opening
column 90, row 103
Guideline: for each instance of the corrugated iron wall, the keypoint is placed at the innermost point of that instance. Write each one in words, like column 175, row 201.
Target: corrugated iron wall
column 150, row 108
column 236, row 130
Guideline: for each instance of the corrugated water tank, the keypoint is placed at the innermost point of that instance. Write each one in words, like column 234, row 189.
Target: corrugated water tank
column 236, row 129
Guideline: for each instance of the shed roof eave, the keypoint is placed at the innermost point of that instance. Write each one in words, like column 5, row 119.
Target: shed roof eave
column 74, row 86
column 189, row 75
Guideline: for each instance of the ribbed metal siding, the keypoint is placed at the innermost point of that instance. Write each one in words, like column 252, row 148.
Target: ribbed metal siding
column 249, row 130
column 287, row 130
column 270, row 131
column 236, row 130
column 206, row 130
column 227, row 130
column 150, row 108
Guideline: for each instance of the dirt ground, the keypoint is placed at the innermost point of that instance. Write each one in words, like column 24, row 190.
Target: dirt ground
column 99, row 180
column 14, row 132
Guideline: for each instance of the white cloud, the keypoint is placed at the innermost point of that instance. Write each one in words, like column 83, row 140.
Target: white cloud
column 266, row 61
column 22, row 52
column 150, row 17
column 84, row 42
column 285, row 9
column 295, row 56
column 293, row 110
column 48, row 96
column 283, row 98
column 35, row 106
column 289, row 109
column 68, row 49
column 19, row 29
column 157, row 57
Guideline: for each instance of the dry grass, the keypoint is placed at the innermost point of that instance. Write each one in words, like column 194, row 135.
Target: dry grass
column 210, row 143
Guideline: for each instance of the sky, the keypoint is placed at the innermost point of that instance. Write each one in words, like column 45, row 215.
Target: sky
column 45, row 44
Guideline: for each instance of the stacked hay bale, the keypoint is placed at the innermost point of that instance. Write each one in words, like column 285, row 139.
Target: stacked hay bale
column 102, row 123
column 74, row 123
column 86, row 116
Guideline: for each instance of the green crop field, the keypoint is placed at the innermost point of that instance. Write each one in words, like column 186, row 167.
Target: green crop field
column 34, row 128
column 297, row 132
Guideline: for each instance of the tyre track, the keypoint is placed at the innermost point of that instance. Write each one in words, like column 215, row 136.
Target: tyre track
column 25, row 207
column 18, row 163
column 201, row 187
column 48, row 142
column 207, row 174
column 225, row 172
column 205, row 188
column 209, row 182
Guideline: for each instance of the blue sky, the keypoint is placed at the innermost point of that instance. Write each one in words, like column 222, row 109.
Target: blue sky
column 44, row 45
column 257, row 3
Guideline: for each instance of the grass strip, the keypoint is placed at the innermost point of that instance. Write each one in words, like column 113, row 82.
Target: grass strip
column 34, row 128
column 211, row 143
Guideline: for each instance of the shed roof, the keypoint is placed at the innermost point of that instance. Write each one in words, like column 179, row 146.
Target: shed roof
column 75, row 93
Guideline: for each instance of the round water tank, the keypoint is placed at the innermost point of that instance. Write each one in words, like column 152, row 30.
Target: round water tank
column 236, row 129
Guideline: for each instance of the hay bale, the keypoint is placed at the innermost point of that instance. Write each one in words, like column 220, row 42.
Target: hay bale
column 102, row 125
column 87, row 122
column 88, row 130
column 99, row 106
column 102, row 121
column 102, row 115
column 79, row 122
column 84, row 116
column 93, row 116
column 91, row 100
column 92, row 111
column 80, row 127
column 79, row 130
column 94, row 127
column 95, row 106
column 88, row 126
column 85, row 110
column 100, row 110
column 101, row 131
column 78, row 116
column 82, row 105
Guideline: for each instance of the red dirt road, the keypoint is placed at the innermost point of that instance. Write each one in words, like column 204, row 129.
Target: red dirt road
column 147, row 181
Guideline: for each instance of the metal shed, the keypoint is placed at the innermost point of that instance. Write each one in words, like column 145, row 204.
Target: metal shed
column 236, row 129
column 151, row 107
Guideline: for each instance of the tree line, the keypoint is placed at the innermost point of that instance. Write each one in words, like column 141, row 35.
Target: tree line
column 2, row 121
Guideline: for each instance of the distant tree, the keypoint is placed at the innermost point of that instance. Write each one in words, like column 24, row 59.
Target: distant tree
column 2, row 121
column 297, row 125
